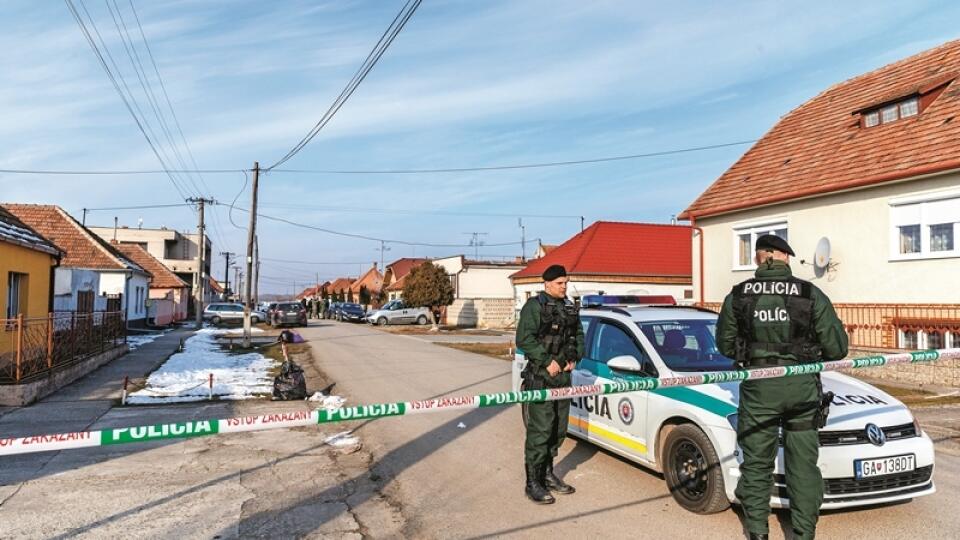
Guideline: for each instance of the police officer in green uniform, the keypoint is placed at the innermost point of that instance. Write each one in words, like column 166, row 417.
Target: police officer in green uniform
column 776, row 319
column 551, row 337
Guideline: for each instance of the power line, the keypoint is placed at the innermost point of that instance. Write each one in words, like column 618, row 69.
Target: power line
column 119, row 173
column 289, row 261
column 375, row 54
column 142, row 207
column 346, row 209
column 116, row 85
column 371, row 238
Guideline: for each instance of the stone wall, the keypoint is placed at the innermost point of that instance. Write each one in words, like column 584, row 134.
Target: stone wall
column 481, row 312
column 944, row 373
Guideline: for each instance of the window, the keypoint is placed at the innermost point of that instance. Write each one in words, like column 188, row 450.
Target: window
column 746, row 237
column 612, row 341
column 908, row 339
column 16, row 294
column 892, row 112
column 687, row 345
column 941, row 237
column 910, row 239
column 925, row 227
column 935, row 340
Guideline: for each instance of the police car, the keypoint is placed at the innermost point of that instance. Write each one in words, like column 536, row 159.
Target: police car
column 872, row 449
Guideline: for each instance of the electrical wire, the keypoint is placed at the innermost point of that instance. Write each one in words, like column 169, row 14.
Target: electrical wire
column 345, row 209
column 372, row 58
column 375, row 239
column 308, row 262
column 116, row 86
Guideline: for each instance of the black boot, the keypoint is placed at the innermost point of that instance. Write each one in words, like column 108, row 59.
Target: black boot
column 535, row 490
column 554, row 483
column 758, row 536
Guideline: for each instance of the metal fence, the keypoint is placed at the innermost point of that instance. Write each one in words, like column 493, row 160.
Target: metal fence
column 35, row 347
column 881, row 326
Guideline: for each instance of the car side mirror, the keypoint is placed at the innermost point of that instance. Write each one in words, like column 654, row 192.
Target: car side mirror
column 625, row 363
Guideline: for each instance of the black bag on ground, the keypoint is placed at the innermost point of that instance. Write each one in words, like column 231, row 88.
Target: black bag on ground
column 290, row 383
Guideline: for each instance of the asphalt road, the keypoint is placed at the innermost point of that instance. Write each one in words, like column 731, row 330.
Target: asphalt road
column 460, row 474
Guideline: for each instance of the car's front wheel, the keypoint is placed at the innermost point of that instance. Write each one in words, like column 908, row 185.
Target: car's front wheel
column 691, row 468
column 382, row 321
column 215, row 320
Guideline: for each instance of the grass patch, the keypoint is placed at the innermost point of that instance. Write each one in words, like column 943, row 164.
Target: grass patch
column 917, row 397
column 500, row 351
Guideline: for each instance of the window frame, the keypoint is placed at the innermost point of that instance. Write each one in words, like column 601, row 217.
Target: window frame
column 17, row 296
column 649, row 368
column 755, row 229
column 929, row 216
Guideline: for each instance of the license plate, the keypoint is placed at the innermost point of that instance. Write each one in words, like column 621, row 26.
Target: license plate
column 869, row 468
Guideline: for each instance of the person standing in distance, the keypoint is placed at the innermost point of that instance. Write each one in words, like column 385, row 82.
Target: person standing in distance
column 776, row 319
column 551, row 337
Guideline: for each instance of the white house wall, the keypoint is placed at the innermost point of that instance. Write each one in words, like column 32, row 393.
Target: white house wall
column 137, row 309
column 858, row 224
column 69, row 281
column 580, row 288
column 479, row 282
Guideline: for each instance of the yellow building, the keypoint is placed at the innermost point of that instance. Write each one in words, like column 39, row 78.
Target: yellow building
column 27, row 262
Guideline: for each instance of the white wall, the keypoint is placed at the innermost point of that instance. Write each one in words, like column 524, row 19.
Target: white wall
column 136, row 303
column 480, row 282
column 69, row 281
column 581, row 288
column 858, row 224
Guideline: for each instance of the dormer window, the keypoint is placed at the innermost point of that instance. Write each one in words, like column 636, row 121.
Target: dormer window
column 892, row 112
column 906, row 102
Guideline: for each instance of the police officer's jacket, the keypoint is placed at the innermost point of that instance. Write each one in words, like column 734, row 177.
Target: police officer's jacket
column 530, row 341
column 779, row 319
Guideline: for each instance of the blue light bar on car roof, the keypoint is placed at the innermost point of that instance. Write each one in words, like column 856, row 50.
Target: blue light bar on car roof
column 591, row 300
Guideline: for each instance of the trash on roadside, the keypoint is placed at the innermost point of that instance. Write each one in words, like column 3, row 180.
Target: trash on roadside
column 290, row 383
column 330, row 403
column 461, row 425
column 289, row 336
column 344, row 441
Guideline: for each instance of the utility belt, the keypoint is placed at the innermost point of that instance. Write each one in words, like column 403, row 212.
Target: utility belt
column 536, row 378
column 804, row 352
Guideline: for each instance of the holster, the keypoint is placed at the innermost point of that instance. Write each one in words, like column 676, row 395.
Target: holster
column 530, row 381
column 823, row 407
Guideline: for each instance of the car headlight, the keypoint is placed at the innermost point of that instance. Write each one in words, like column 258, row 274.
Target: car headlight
column 733, row 419
column 916, row 427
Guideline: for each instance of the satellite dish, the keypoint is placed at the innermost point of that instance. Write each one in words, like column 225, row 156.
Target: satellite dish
column 821, row 257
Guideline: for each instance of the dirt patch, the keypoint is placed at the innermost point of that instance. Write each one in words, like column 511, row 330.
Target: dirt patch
column 444, row 330
column 916, row 397
column 500, row 351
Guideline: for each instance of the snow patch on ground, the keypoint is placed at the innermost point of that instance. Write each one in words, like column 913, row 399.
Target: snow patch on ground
column 139, row 340
column 184, row 376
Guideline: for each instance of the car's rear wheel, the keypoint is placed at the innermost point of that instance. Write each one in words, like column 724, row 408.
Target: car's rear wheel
column 422, row 320
column 691, row 468
column 382, row 321
column 216, row 320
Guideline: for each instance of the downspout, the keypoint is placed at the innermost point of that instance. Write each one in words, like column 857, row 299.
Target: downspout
column 128, row 275
column 699, row 232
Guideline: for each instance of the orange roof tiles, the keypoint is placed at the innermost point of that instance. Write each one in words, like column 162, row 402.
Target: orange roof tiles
column 339, row 285
column 14, row 231
column 82, row 248
column 820, row 147
column 372, row 279
column 163, row 278
column 621, row 249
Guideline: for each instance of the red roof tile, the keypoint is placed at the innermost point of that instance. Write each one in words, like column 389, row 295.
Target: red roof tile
column 372, row 279
column 14, row 231
column 163, row 278
column 621, row 249
column 819, row 147
column 81, row 247
column 339, row 285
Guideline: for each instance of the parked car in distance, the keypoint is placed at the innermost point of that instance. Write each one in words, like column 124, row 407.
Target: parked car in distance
column 227, row 312
column 332, row 310
column 396, row 312
column 288, row 314
column 351, row 312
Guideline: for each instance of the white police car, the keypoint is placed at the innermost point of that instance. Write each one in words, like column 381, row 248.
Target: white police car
column 872, row 449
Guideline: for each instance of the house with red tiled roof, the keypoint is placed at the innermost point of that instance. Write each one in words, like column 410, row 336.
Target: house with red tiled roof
column 482, row 292
column 869, row 168
column 395, row 275
column 27, row 266
column 617, row 258
column 169, row 296
column 339, row 288
column 93, row 275
column 372, row 281
column 543, row 249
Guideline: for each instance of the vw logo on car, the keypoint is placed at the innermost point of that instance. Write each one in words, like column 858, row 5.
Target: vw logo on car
column 875, row 435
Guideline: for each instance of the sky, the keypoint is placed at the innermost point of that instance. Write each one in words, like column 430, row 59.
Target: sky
column 465, row 84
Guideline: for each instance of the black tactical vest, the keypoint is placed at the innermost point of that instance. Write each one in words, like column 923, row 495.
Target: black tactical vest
column 559, row 319
column 797, row 311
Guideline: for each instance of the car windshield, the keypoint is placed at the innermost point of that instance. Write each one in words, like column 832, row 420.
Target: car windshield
column 352, row 306
column 687, row 344
column 289, row 307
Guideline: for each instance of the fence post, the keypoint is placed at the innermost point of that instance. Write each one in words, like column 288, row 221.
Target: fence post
column 211, row 386
column 19, row 344
column 123, row 397
column 50, row 340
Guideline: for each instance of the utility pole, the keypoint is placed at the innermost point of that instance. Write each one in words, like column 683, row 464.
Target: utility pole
column 383, row 247
column 251, row 234
column 236, row 280
column 84, row 222
column 201, row 256
column 256, row 267
column 226, row 271
column 581, row 223
column 523, row 240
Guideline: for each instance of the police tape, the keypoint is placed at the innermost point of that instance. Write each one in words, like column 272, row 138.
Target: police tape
column 200, row 428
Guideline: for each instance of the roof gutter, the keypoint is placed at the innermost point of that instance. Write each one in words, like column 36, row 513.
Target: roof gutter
column 927, row 170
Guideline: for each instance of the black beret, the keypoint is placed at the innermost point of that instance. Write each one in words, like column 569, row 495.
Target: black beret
column 774, row 242
column 553, row 272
